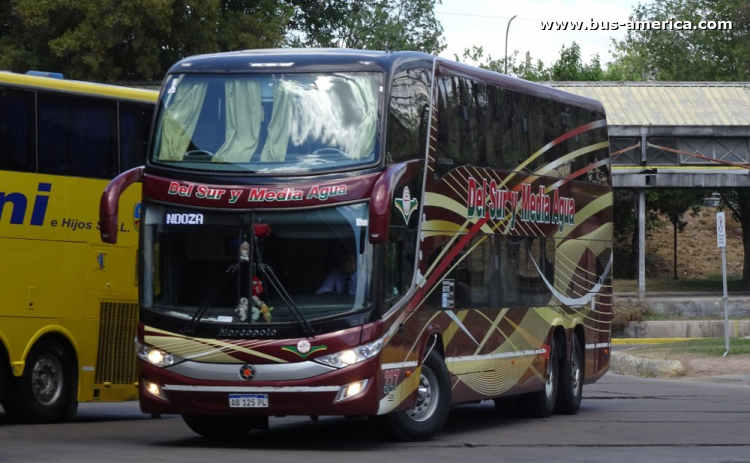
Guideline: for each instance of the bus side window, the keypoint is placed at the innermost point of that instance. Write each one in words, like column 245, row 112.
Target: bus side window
column 463, row 120
column 521, row 265
column 473, row 283
column 408, row 115
column 17, row 137
column 135, row 126
column 77, row 136
column 399, row 262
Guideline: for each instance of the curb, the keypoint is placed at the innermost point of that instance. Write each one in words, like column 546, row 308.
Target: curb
column 626, row 364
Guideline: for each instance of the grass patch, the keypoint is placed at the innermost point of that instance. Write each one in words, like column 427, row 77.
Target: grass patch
column 703, row 347
column 670, row 285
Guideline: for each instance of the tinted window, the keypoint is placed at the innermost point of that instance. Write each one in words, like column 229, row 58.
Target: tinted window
column 408, row 115
column 77, row 136
column 17, row 130
column 135, row 125
column 458, row 124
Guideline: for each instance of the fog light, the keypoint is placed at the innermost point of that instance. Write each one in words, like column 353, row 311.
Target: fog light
column 154, row 390
column 351, row 390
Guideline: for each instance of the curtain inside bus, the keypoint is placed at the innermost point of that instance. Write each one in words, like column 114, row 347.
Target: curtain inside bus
column 180, row 118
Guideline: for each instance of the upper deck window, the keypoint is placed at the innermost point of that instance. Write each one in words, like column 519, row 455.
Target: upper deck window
column 268, row 123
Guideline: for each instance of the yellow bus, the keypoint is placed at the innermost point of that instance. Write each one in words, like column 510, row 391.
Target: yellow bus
column 68, row 303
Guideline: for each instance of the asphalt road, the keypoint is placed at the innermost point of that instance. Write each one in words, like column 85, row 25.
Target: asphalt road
column 622, row 419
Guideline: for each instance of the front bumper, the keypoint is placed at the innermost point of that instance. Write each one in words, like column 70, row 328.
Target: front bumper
column 309, row 396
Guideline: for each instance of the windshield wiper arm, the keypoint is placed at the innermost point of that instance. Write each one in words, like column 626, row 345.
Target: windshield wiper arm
column 190, row 325
column 307, row 328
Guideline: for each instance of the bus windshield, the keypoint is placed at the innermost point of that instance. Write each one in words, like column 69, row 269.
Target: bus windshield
column 268, row 123
column 256, row 267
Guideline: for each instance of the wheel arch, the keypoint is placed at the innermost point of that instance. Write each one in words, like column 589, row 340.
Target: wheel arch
column 56, row 333
column 433, row 340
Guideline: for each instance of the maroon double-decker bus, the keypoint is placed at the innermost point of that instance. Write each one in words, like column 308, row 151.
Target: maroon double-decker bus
column 340, row 232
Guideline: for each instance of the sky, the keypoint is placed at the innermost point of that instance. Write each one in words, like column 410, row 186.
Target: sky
column 483, row 23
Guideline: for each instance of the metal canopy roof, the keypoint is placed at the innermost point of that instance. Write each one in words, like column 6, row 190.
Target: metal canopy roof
column 687, row 104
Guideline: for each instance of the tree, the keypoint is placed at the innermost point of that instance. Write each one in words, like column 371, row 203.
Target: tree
column 525, row 70
column 110, row 40
column 738, row 203
column 674, row 204
column 367, row 24
column 568, row 67
column 709, row 55
column 625, row 222
column 687, row 55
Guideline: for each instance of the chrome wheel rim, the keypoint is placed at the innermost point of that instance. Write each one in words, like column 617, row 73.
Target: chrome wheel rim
column 575, row 372
column 427, row 393
column 549, row 386
column 47, row 379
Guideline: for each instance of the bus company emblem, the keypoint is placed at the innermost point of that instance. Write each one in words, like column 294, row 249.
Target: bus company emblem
column 303, row 348
column 247, row 372
column 137, row 217
column 406, row 204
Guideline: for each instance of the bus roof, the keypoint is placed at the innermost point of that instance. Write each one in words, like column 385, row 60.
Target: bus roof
column 311, row 59
column 78, row 87
column 290, row 58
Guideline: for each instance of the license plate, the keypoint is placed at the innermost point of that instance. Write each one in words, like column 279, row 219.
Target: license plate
column 248, row 400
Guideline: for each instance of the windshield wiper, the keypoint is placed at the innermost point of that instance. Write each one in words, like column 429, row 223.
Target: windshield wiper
column 307, row 328
column 189, row 328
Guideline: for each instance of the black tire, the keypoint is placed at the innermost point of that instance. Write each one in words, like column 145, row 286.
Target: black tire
column 4, row 374
column 46, row 392
column 570, row 381
column 220, row 427
column 428, row 415
column 541, row 404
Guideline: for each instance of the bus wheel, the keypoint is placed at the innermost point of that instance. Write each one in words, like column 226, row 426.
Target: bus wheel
column 222, row 427
column 570, row 385
column 46, row 391
column 540, row 404
column 428, row 415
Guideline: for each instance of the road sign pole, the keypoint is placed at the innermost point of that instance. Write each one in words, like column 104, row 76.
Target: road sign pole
column 726, row 299
column 721, row 241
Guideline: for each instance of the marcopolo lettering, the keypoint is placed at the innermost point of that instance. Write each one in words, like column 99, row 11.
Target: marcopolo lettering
column 17, row 204
column 262, row 333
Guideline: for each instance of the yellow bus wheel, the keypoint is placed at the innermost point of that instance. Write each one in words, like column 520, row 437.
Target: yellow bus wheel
column 46, row 392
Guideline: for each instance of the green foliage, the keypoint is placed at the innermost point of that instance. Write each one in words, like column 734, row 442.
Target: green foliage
column 687, row 55
column 675, row 203
column 110, row 40
column 568, row 67
column 367, row 24
column 527, row 70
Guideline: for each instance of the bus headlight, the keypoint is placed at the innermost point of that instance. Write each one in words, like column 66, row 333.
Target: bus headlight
column 351, row 356
column 156, row 356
